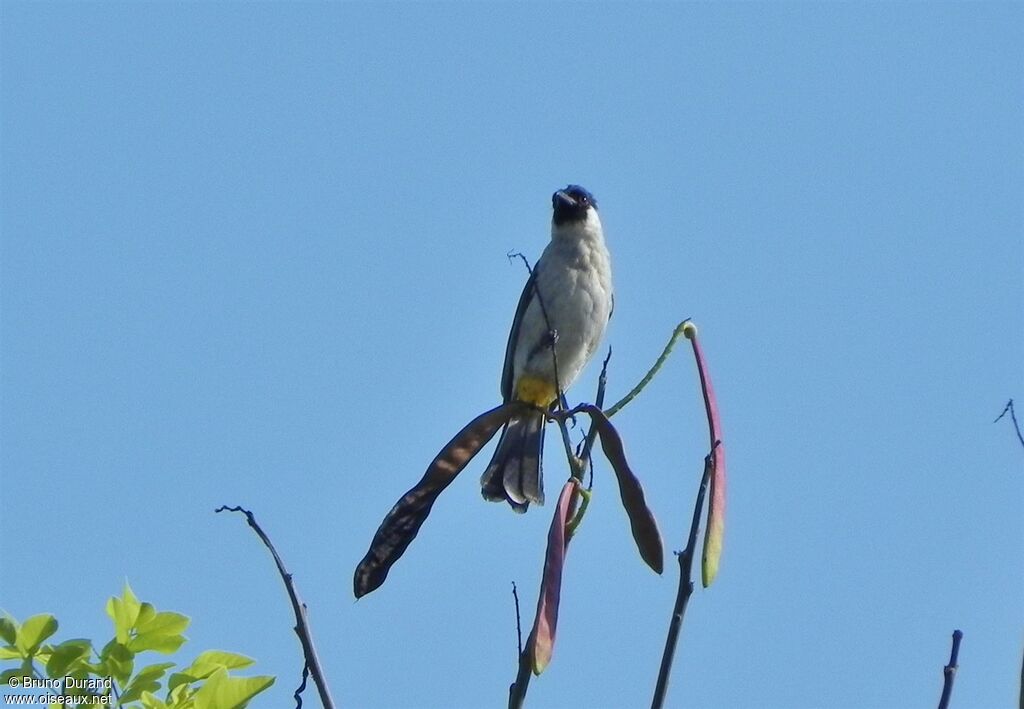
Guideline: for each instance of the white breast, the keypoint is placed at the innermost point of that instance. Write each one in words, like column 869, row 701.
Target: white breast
column 575, row 284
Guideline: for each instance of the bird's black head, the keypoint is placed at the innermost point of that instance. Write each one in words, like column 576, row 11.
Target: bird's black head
column 571, row 204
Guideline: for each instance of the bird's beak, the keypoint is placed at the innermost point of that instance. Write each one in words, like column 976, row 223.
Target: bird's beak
column 565, row 198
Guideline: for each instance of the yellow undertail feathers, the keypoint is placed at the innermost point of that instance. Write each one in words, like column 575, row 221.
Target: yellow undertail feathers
column 536, row 391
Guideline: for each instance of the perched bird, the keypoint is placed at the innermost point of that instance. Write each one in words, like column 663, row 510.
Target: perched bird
column 560, row 321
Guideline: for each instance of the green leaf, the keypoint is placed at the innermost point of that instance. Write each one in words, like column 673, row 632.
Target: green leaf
column 157, row 642
column 26, row 669
column 9, row 653
column 221, row 691
column 181, row 697
column 146, row 680
column 65, row 655
column 124, row 611
column 151, row 701
column 160, row 632
column 117, row 661
column 131, row 602
column 211, row 660
column 8, row 629
column 154, row 671
column 81, row 697
column 34, row 631
column 181, row 678
column 91, row 668
column 164, row 622
column 133, row 691
column 42, row 655
column 206, row 664
column 146, row 613
column 121, row 617
column 6, row 675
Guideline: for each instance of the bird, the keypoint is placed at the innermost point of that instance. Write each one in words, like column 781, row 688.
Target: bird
column 559, row 323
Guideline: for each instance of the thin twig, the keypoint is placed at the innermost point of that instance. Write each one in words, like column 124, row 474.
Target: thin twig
column 949, row 671
column 575, row 464
column 519, row 622
column 602, row 382
column 297, row 694
column 298, row 607
column 552, row 333
column 1013, row 417
column 517, row 690
column 579, row 461
column 583, row 496
column 650, row 373
column 684, row 591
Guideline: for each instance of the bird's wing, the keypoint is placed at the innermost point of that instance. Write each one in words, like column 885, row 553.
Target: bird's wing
column 507, row 374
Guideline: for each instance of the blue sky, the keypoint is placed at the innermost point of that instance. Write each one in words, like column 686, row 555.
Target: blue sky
column 256, row 254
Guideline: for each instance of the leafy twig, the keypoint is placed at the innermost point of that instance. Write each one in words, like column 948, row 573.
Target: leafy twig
column 298, row 607
column 949, row 671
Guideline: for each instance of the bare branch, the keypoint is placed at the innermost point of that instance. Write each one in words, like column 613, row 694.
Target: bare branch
column 602, row 382
column 684, row 591
column 949, row 671
column 575, row 464
column 1013, row 417
column 519, row 622
column 298, row 607
column 517, row 690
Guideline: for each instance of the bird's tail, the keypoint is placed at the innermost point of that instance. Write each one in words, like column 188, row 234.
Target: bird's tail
column 515, row 472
